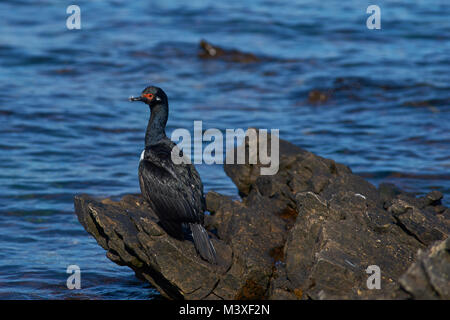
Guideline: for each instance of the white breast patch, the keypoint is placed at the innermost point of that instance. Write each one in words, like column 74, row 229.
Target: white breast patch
column 142, row 155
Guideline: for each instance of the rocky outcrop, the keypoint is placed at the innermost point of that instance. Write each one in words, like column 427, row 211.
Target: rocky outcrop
column 308, row 232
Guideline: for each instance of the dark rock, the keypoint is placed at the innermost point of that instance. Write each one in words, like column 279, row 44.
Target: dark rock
column 429, row 276
column 387, row 192
column 317, row 96
column 335, row 240
column 210, row 51
column 308, row 232
column 129, row 231
column 439, row 209
column 419, row 221
column 433, row 198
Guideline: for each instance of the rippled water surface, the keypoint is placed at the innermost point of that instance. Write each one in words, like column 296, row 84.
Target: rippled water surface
column 66, row 127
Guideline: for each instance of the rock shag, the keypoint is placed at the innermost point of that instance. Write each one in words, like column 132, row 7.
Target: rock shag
column 174, row 191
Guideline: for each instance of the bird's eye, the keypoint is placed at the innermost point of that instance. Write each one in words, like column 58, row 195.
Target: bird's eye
column 148, row 96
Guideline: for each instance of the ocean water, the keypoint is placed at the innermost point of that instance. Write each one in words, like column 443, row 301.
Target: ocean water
column 66, row 126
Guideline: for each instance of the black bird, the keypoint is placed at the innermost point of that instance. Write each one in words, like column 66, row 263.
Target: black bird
column 174, row 191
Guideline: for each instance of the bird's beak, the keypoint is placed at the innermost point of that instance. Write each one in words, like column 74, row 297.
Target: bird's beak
column 135, row 98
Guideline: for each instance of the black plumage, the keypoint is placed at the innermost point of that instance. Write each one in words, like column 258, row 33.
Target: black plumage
column 174, row 191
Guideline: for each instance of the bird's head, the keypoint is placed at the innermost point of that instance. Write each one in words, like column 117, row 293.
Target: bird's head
column 151, row 96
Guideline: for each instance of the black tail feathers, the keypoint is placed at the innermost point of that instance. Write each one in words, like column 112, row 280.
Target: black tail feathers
column 202, row 243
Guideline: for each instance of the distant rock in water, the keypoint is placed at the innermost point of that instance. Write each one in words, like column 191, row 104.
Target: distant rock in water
column 317, row 96
column 308, row 232
column 210, row 51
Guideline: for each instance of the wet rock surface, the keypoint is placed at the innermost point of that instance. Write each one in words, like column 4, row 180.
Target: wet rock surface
column 308, row 232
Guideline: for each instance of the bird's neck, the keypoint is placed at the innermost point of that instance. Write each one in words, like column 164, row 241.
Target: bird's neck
column 156, row 128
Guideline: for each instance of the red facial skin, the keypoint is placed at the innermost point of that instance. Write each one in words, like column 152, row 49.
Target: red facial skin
column 149, row 96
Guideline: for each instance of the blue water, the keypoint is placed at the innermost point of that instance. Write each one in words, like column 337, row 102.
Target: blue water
column 66, row 127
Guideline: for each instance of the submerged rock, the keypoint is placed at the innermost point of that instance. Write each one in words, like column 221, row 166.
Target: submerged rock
column 308, row 232
column 210, row 51
column 317, row 96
